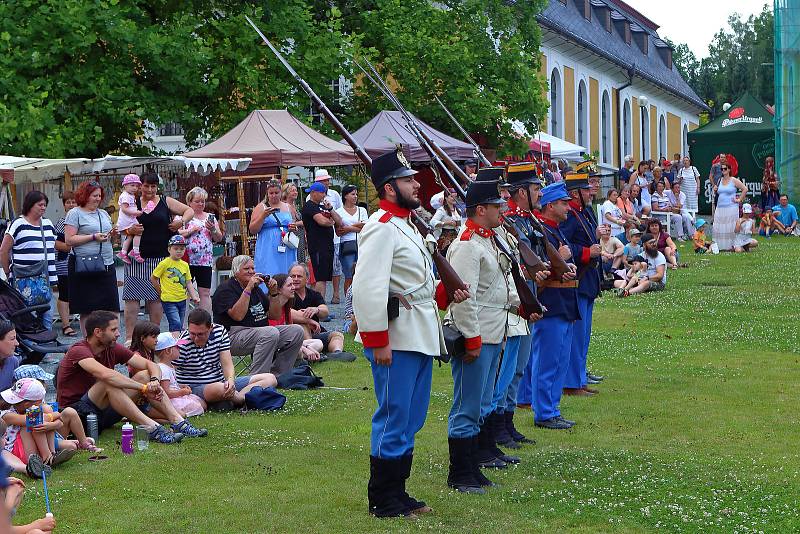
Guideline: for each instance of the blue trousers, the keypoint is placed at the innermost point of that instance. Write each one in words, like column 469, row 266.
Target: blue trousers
column 525, row 391
column 403, row 391
column 506, row 373
column 175, row 312
column 581, row 335
column 523, row 357
column 473, row 387
column 552, row 343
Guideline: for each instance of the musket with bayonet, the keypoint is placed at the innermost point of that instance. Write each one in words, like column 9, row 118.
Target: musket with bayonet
column 450, row 279
column 527, row 297
column 557, row 264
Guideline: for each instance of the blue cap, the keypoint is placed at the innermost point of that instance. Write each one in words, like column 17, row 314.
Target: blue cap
column 553, row 192
column 699, row 223
column 177, row 240
column 319, row 187
column 31, row 371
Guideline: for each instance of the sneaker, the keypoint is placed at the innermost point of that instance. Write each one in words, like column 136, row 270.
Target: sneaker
column 341, row 356
column 124, row 257
column 554, row 423
column 162, row 435
column 62, row 456
column 136, row 256
column 566, row 421
column 187, row 429
column 36, row 467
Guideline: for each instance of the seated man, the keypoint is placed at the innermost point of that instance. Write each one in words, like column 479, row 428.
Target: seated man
column 205, row 364
column 242, row 308
column 682, row 223
column 784, row 217
column 655, row 278
column 88, row 383
column 309, row 309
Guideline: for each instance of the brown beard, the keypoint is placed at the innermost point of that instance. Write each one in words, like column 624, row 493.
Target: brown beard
column 652, row 253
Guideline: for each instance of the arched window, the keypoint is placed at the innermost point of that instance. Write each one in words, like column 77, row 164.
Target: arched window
column 662, row 138
column 685, row 147
column 556, row 104
column 605, row 128
column 583, row 127
column 626, row 128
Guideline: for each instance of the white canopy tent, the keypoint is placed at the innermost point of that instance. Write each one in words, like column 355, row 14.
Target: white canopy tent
column 559, row 148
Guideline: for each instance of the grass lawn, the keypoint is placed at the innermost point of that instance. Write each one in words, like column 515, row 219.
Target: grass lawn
column 695, row 429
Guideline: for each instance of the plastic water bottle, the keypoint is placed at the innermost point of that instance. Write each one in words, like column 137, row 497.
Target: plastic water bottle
column 127, row 438
column 91, row 427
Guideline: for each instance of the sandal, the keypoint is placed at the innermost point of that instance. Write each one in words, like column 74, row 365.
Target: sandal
column 89, row 445
column 68, row 331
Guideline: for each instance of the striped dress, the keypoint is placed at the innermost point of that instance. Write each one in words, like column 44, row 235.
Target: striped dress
column 28, row 248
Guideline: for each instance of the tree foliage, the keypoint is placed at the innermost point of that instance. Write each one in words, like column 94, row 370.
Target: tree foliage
column 739, row 59
column 80, row 78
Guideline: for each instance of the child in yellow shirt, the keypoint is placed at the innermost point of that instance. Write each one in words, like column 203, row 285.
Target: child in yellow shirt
column 173, row 281
column 701, row 245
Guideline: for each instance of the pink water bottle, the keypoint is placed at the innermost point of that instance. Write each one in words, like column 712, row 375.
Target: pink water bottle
column 127, row 438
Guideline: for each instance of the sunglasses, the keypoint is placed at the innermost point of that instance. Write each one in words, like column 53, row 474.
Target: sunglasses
column 725, row 168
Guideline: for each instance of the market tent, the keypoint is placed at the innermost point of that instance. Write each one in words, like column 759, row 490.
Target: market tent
column 747, row 133
column 387, row 129
column 559, row 149
column 274, row 138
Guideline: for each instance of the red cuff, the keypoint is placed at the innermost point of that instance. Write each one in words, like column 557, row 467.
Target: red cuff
column 440, row 295
column 586, row 255
column 472, row 343
column 375, row 340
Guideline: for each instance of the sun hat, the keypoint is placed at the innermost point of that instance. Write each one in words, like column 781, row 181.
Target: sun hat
column 131, row 179
column 177, row 240
column 165, row 340
column 31, row 371
column 25, row 389
column 747, row 208
column 321, row 174
column 317, row 187
column 699, row 223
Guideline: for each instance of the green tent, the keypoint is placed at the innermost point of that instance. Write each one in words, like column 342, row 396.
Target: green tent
column 747, row 133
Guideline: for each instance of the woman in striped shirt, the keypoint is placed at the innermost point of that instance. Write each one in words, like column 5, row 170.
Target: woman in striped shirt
column 30, row 239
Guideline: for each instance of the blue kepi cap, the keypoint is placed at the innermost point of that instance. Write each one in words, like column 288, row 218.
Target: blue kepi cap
column 554, row 192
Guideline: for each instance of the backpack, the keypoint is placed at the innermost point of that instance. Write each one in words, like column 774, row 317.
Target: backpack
column 300, row 377
column 266, row 399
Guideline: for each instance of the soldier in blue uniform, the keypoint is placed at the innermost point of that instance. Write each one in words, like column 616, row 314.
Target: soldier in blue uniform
column 581, row 231
column 552, row 335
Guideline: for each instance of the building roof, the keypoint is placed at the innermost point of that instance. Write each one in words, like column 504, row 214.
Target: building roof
column 565, row 19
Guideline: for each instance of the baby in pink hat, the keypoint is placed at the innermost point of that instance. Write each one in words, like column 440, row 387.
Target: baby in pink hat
column 127, row 218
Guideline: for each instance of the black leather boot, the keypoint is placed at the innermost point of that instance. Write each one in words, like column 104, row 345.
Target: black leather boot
column 460, row 476
column 383, row 489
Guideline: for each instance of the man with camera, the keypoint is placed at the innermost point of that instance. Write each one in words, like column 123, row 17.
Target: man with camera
column 319, row 218
column 242, row 308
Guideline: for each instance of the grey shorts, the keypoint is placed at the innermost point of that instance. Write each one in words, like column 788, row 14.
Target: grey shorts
column 240, row 382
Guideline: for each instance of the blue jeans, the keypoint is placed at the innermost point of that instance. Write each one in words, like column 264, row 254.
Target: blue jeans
column 174, row 312
column 348, row 261
column 403, row 392
column 473, row 387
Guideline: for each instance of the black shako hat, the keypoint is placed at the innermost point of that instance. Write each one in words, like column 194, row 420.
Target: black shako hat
column 389, row 166
column 484, row 190
column 522, row 174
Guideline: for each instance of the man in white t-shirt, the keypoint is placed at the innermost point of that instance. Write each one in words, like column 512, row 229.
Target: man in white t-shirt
column 681, row 220
column 655, row 278
column 335, row 199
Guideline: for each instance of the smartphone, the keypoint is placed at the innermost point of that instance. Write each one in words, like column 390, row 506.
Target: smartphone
column 264, row 277
column 211, row 218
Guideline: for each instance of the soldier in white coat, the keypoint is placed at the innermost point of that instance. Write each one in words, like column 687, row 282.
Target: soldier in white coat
column 395, row 269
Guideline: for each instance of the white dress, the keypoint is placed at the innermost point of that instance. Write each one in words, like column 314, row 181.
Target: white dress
column 745, row 234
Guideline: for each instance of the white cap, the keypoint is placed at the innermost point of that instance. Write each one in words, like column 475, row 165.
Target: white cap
column 747, row 208
column 24, row 389
column 166, row 340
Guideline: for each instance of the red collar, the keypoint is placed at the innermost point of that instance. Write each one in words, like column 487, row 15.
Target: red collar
column 574, row 204
column 549, row 222
column 478, row 229
column 393, row 208
column 513, row 209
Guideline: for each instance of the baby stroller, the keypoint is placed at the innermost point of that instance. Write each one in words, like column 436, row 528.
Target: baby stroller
column 35, row 342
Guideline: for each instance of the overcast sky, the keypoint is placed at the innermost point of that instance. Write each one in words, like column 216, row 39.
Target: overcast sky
column 694, row 22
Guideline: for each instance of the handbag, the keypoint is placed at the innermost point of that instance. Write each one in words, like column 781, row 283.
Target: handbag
column 348, row 248
column 289, row 238
column 33, row 281
column 91, row 263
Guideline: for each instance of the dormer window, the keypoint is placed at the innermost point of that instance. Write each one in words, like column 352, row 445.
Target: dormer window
column 585, row 8
column 603, row 13
column 642, row 41
column 666, row 55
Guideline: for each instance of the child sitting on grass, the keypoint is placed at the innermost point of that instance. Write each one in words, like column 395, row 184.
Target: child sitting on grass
column 173, row 281
column 632, row 276
column 743, row 241
column 765, row 225
column 12, row 490
column 39, row 441
column 185, row 402
column 701, row 244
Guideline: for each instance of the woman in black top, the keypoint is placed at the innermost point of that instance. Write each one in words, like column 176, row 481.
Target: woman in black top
column 156, row 226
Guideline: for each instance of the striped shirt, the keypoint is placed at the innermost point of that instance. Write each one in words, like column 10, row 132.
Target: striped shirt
column 201, row 365
column 28, row 248
column 61, row 257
